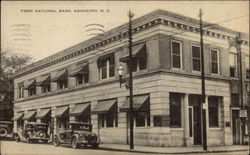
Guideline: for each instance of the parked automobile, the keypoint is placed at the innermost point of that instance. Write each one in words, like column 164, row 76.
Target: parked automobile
column 6, row 129
column 76, row 134
column 33, row 132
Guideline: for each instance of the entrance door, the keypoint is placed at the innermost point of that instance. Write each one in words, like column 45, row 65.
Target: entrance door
column 236, row 126
column 197, row 125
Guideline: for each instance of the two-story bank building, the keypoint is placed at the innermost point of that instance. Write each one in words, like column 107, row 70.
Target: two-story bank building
column 81, row 83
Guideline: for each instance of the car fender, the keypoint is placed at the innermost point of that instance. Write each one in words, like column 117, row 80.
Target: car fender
column 75, row 136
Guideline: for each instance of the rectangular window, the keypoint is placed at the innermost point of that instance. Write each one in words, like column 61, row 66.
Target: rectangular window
column 235, row 100
column 46, row 88
column 175, row 109
column 62, row 83
column 20, row 90
column 107, row 68
column 215, row 61
column 176, row 54
column 138, row 64
column 196, row 58
column 32, row 90
column 108, row 120
column 213, row 109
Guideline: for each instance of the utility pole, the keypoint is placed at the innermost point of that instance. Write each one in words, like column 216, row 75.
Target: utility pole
column 203, row 112
column 131, row 108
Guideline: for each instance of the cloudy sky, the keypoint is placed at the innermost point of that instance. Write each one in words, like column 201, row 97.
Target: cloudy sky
column 26, row 29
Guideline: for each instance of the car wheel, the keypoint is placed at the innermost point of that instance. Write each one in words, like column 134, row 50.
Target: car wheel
column 3, row 132
column 95, row 145
column 56, row 141
column 74, row 143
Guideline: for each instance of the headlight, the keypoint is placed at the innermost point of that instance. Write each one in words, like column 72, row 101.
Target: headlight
column 41, row 134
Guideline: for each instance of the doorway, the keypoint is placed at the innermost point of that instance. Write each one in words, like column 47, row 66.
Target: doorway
column 195, row 113
column 236, row 127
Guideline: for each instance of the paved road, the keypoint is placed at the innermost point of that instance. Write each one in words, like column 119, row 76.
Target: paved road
column 20, row 148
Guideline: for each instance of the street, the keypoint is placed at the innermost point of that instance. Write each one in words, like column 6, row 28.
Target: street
column 20, row 148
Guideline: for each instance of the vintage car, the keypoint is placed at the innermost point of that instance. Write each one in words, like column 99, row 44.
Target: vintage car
column 6, row 129
column 33, row 132
column 76, row 134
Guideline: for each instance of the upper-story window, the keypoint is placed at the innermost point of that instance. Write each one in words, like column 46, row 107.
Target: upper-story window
column 247, row 65
column 31, row 87
column 44, row 82
column 20, row 90
column 80, row 72
column 176, row 54
column 106, row 65
column 139, row 55
column 215, row 61
column 196, row 58
column 61, row 78
column 233, row 61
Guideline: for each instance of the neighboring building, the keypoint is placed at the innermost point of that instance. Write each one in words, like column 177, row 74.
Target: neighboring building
column 81, row 83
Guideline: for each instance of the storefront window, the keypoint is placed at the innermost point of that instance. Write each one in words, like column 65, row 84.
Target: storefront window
column 213, row 109
column 175, row 109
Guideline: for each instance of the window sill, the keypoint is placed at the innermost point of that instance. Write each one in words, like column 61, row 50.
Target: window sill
column 176, row 128
column 105, row 80
column 215, row 128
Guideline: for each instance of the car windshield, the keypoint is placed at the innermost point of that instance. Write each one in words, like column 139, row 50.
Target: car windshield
column 84, row 127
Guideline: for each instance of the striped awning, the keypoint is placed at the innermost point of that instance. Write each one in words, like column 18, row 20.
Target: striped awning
column 60, row 111
column 29, row 115
column 79, row 69
column 139, row 104
column 18, row 116
column 136, row 50
column 79, row 109
column 43, row 80
column 104, row 106
column 43, row 113
column 29, row 83
column 59, row 75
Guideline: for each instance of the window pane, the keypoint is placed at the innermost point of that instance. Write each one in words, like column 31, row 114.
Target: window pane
column 111, row 70
column 140, row 119
column 143, row 63
column 196, row 52
column 176, row 48
column 232, row 59
column 232, row 71
column 176, row 61
column 213, row 105
column 104, row 72
column 214, row 56
column 196, row 64
column 215, row 67
column 110, row 119
column 79, row 79
column 175, row 110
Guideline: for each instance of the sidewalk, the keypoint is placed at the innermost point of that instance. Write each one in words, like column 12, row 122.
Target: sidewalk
column 173, row 150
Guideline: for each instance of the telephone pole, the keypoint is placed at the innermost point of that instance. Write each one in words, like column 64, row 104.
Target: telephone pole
column 131, row 108
column 203, row 112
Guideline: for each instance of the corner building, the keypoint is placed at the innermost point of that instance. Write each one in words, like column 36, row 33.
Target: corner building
column 81, row 83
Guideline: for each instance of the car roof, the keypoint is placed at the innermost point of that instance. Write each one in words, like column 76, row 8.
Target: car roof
column 36, row 123
column 82, row 123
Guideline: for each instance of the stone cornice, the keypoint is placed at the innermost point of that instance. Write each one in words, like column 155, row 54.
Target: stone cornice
column 158, row 17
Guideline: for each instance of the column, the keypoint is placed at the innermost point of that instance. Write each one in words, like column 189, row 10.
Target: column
column 205, row 106
column 186, row 119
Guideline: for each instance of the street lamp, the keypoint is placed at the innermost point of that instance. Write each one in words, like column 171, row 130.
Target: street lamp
column 122, row 81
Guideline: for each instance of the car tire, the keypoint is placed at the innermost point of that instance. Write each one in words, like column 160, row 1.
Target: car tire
column 56, row 141
column 3, row 132
column 74, row 143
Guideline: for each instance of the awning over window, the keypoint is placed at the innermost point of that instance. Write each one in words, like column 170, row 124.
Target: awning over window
column 29, row 83
column 79, row 69
column 140, row 103
column 43, row 80
column 137, row 51
column 60, row 111
column 17, row 116
column 60, row 74
column 104, row 106
column 43, row 113
column 29, row 115
column 109, row 56
column 79, row 109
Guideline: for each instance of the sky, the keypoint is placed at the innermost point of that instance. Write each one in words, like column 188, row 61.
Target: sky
column 26, row 29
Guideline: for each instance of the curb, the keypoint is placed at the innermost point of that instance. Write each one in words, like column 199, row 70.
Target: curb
column 152, row 152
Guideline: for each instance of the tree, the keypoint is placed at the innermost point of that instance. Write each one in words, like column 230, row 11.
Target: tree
column 10, row 63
